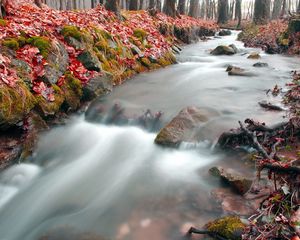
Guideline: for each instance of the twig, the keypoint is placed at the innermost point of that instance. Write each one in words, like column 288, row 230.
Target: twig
column 281, row 169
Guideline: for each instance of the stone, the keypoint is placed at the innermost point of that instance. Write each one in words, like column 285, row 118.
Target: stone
column 270, row 106
column 136, row 51
column 230, row 227
column 222, row 50
column 235, row 49
column 254, row 55
column 260, row 64
column 97, row 86
column 90, row 61
column 234, row 179
column 75, row 43
column 225, row 32
column 236, row 71
column 183, row 127
column 58, row 62
column 294, row 25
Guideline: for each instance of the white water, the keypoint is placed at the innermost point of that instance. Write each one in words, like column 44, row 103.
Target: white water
column 115, row 181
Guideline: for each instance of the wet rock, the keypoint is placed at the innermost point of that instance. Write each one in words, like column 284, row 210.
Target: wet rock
column 97, row 86
column 223, row 50
column 136, row 51
column 90, row 61
column 270, row 106
column 10, row 148
column 236, row 71
column 260, row 64
column 228, row 227
column 254, row 55
column 58, row 62
column 294, row 25
column 225, row 32
column 183, row 127
column 234, row 179
column 235, row 49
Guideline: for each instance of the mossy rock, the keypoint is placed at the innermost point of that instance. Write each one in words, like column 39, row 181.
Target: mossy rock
column 72, row 91
column 71, row 31
column 294, row 25
column 141, row 34
column 15, row 103
column 46, row 108
column 11, row 43
column 3, row 23
column 228, row 227
column 222, row 50
column 42, row 43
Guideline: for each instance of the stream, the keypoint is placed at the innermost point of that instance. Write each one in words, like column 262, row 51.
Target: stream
column 87, row 180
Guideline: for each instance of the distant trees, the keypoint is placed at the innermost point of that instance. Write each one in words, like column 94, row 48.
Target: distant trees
column 114, row 6
column 133, row 5
column 238, row 12
column 181, row 6
column 277, row 5
column 194, row 8
column 261, row 11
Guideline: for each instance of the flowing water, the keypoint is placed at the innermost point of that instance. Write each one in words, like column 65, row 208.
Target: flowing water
column 113, row 180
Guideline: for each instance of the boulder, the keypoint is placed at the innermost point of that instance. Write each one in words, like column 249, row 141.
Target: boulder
column 97, row 86
column 75, row 43
column 230, row 227
column 90, row 61
column 234, row 179
column 260, row 64
column 223, row 50
column 294, row 25
column 183, row 127
column 254, row 55
column 225, row 32
column 58, row 62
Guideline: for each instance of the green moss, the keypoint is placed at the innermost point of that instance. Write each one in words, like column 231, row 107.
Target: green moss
column 145, row 62
column 11, row 43
column 15, row 103
column 140, row 34
column 71, row 31
column 22, row 41
column 102, row 45
column 248, row 33
column 229, row 227
column 3, row 23
column 74, row 83
column 42, row 43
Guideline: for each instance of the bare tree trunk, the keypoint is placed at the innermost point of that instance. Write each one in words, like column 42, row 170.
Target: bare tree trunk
column 158, row 5
column 238, row 12
column 223, row 11
column 152, row 4
column 284, row 9
column 133, row 5
column 194, row 6
column 38, row 3
column 261, row 11
column 169, row 8
column 202, row 10
column 298, row 8
column 181, row 6
column 114, row 6
column 141, row 4
column 276, row 9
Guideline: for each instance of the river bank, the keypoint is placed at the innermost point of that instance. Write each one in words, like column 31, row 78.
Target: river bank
column 53, row 62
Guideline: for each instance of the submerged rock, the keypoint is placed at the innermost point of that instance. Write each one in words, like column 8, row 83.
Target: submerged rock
column 236, row 71
column 233, row 178
column 223, row 50
column 254, row 55
column 225, row 32
column 183, row 127
column 270, row 106
column 260, row 64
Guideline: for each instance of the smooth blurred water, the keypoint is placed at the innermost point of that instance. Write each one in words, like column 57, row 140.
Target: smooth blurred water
column 114, row 181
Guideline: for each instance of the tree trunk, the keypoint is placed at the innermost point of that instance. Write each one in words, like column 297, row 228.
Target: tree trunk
column 284, row 9
column 133, row 5
column 114, row 6
column 152, row 4
column 38, row 3
column 181, row 6
column 158, row 5
column 169, row 8
column 202, row 10
column 194, row 7
column 261, row 11
column 141, row 4
column 238, row 12
column 276, row 9
column 223, row 11
column 298, row 8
